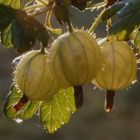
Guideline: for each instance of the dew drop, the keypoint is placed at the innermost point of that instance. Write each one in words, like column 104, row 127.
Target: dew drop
column 107, row 110
column 94, row 88
column 133, row 82
column 18, row 120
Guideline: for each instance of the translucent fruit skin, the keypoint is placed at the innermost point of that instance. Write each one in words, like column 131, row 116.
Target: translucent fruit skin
column 33, row 77
column 120, row 66
column 75, row 58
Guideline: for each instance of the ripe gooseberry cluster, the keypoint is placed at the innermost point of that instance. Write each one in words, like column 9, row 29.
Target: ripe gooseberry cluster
column 76, row 59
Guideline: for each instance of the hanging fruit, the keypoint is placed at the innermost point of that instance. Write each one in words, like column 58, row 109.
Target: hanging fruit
column 75, row 58
column 119, row 71
column 33, row 76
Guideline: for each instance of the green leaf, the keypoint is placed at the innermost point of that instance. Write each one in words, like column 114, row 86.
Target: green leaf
column 58, row 112
column 4, row 10
column 39, row 30
column 137, row 40
column 26, row 112
column 23, row 35
column 81, row 5
column 123, row 28
column 6, row 37
column 4, row 22
column 18, row 40
column 7, row 14
column 12, row 3
column 112, row 10
column 61, row 13
column 29, row 110
column 130, row 7
column 24, row 29
column 128, row 21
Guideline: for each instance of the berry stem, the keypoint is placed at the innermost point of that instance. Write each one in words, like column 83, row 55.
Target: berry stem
column 43, row 49
column 109, row 100
column 78, row 95
column 70, row 26
column 96, row 22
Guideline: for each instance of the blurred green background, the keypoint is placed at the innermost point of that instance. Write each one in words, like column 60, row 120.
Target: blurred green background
column 91, row 122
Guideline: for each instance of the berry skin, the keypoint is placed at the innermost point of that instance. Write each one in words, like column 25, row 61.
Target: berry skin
column 33, row 77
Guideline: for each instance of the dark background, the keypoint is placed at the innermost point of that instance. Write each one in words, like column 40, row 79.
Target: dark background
column 91, row 122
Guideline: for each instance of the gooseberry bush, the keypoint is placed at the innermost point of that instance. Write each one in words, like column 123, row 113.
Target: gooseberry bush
column 48, row 81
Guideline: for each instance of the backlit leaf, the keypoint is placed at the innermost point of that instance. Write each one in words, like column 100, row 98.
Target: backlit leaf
column 137, row 40
column 26, row 112
column 6, row 37
column 12, row 3
column 58, row 112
